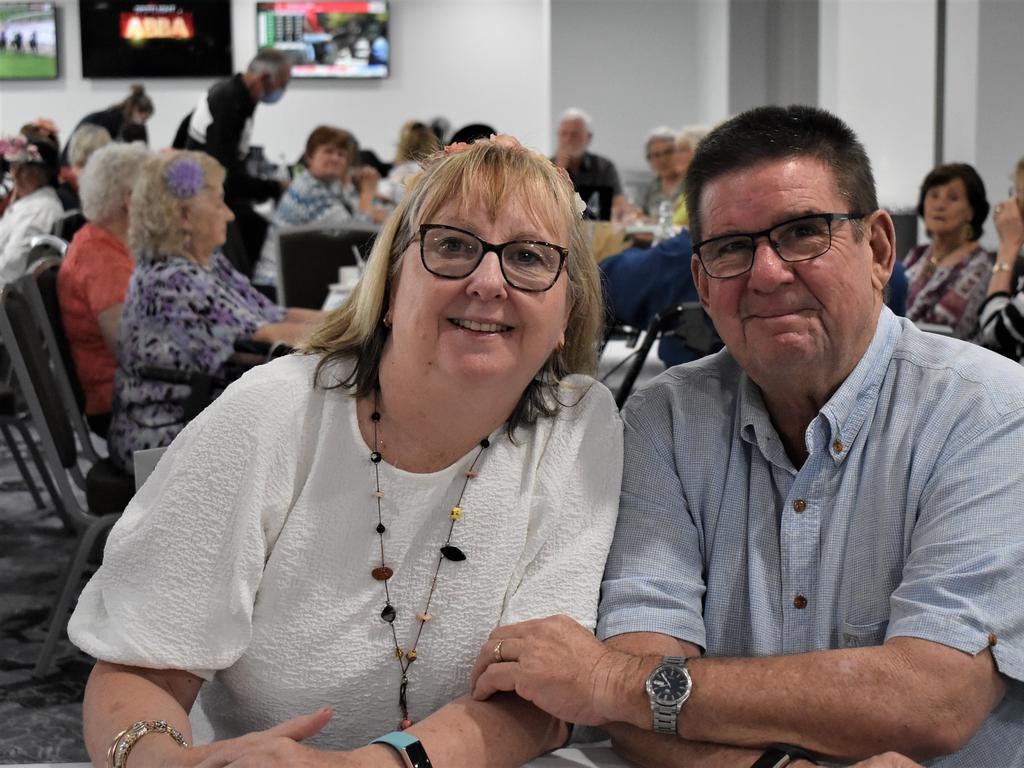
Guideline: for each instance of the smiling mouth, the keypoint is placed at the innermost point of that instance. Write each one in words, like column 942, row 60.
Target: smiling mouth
column 472, row 325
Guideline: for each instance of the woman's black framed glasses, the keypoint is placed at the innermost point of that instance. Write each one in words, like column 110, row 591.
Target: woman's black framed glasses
column 800, row 239
column 453, row 253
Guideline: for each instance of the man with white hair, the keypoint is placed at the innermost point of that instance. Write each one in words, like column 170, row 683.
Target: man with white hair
column 589, row 172
column 221, row 125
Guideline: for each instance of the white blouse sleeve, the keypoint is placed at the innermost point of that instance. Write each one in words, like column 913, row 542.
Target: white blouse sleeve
column 183, row 565
column 576, row 501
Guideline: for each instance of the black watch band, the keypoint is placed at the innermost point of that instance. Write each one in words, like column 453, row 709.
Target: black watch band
column 781, row 755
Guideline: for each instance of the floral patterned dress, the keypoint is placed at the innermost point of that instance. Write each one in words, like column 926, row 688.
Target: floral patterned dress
column 948, row 295
column 179, row 315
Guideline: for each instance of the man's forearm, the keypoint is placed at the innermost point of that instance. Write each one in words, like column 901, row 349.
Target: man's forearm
column 911, row 696
column 652, row 750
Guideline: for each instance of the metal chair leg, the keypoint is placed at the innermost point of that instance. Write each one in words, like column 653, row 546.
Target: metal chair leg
column 22, row 467
column 59, row 616
column 37, row 458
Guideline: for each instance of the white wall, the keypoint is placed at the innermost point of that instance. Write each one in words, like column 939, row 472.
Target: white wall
column 877, row 72
column 632, row 65
column 469, row 60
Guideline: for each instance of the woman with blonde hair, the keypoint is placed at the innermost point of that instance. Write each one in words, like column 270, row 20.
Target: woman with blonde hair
column 321, row 553
column 415, row 142
column 186, row 306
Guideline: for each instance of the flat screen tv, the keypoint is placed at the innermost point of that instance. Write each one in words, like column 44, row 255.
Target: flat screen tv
column 187, row 38
column 328, row 39
column 28, row 41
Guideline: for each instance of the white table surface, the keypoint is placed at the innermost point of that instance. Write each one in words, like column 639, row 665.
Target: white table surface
column 589, row 757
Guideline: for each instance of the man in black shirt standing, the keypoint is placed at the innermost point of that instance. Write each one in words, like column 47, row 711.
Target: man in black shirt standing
column 221, row 125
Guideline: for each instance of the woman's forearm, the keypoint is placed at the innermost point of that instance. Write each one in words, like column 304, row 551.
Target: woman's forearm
column 117, row 697
column 502, row 731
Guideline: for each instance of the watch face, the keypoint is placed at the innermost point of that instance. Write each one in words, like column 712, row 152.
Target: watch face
column 668, row 685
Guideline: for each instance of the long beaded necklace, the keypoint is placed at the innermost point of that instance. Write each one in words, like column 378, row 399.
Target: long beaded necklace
column 383, row 572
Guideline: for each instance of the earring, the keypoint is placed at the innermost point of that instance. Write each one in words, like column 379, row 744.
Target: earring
column 387, row 319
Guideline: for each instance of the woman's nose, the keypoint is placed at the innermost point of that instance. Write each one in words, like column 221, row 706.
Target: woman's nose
column 487, row 280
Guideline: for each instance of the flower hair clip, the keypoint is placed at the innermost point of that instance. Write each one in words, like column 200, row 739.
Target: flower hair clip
column 184, row 178
column 16, row 149
column 578, row 204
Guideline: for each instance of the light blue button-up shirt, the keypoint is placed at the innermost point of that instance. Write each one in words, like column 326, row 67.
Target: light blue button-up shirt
column 906, row 518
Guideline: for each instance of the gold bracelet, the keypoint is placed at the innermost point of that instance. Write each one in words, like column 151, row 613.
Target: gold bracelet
column 1002, row 268
column 121, row 746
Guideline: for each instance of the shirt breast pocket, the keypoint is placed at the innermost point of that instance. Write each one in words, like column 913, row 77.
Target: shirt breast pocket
column 862, row 635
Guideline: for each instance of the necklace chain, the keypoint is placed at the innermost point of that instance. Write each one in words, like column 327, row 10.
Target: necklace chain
column 384, row 573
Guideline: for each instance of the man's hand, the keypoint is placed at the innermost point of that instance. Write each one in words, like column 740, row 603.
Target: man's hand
column 558, row 666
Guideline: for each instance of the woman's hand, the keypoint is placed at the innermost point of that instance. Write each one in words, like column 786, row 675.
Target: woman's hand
column 366, row 179
column 277, row 747
column 887, row 760
column 555, row 663
column 1009, row 222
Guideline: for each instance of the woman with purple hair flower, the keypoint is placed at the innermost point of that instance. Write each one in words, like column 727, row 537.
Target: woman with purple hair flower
column 186, row 306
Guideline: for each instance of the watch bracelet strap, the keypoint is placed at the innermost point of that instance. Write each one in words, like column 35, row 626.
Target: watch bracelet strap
column 780, row 755
column 665, row 722
column 408, row 746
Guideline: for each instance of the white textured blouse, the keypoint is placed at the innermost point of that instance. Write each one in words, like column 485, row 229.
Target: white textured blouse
column 246, row 556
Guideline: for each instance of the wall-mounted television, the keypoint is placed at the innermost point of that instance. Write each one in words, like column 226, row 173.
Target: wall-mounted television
column 328, row 39
column 28, row 41
column 186, row 38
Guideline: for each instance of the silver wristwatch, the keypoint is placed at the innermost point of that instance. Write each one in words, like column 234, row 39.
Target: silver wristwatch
column 668, row 688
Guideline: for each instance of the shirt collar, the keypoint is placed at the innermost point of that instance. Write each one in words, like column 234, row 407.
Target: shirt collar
column 839, row 421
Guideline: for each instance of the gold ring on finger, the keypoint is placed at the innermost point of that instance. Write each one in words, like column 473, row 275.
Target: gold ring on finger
column 497, row 652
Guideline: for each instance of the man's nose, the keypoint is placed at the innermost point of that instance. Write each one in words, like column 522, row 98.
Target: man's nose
column 769, row 269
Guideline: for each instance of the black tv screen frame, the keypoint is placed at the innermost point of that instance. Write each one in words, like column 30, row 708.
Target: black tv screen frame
column 29, row 41
column 137, row 38
column 328, row 39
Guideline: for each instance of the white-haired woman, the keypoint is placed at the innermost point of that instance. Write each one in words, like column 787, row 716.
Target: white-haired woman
column 186, row 305
column 667, row 184
column 33, row 206
column 341, row 530
column 686, row 143
column 94, row 276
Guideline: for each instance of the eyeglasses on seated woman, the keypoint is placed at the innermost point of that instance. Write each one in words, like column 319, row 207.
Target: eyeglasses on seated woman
column 320, row 554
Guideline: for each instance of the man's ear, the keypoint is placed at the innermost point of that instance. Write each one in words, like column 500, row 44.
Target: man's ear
column 881, row 236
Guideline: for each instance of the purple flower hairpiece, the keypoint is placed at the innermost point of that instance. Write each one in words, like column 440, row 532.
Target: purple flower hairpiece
column 184, row 177
column 17, row 149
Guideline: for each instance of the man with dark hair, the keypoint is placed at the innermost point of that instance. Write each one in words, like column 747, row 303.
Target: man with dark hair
column 819, row 539
column 221, row 125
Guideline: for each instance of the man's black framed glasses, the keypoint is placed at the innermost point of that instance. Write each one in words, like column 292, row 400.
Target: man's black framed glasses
column 453, row 253
column 799, row 239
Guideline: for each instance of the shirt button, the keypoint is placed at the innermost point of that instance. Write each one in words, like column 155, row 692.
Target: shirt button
column 800, row 602
column 838, row 446
column 799, row 506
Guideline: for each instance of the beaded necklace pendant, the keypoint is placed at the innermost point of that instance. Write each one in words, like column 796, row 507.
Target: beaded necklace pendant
column 383, row 572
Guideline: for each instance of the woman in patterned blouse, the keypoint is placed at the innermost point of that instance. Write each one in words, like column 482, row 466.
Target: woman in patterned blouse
column 318, row 195
column 186, row 305
column 949, row 277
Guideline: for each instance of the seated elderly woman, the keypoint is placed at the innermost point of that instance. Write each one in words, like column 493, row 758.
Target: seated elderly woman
column 667, row 184
column 328, row 544
column 186, row 306
column 415, row 142
column 1002, row 315
column 94, row 275
column 33, row 206
column 83, row 142
column 686, row 143
column 317, row 195
column 948, row 278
